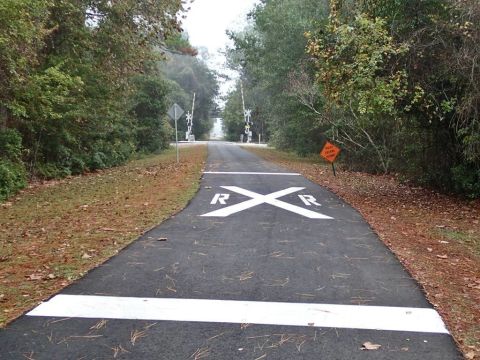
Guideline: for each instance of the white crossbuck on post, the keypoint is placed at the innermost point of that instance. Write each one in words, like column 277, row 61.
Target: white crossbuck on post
column 271, row 199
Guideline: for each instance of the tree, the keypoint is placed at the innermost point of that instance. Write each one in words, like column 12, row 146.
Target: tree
column 267, row 53
column 70, row 78
column 193, row 76
column 149, row 108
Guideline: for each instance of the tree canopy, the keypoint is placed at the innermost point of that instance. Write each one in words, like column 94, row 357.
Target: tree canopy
column 81, row 85
column 395, row 83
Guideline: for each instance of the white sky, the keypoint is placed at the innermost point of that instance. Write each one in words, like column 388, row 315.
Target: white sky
column 207, row 22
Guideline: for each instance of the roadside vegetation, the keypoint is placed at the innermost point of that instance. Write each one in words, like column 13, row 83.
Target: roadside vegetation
column 86, row 85
column 435, row 236
column 394, row 83
column 55, row 231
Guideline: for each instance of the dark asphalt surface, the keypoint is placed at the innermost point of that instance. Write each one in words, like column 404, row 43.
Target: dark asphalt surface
column 261, row 254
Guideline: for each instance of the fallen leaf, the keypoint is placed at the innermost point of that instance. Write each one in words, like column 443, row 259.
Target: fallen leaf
column 470, row 355
column 429, row 249
column 51, row 276
column 33, row 277
column 86, row 256
column 370, row 346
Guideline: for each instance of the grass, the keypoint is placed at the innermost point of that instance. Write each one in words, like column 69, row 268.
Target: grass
column 53, row 233
column 468, row 238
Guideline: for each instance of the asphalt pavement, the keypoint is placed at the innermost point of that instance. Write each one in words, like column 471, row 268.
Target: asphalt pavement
column 262, row 264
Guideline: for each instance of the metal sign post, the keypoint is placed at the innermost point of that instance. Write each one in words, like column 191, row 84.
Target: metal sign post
column 175, row 112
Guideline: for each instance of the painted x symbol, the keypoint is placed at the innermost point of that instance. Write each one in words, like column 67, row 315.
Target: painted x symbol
column 257, row 199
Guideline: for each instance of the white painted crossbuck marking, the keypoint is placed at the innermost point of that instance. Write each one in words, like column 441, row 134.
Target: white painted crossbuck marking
column 257, row 199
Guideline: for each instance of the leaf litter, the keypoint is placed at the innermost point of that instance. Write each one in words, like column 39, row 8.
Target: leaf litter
column 54, row 232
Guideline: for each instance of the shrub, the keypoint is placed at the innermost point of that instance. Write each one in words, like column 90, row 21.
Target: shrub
column 12, row 170
column 467, row 180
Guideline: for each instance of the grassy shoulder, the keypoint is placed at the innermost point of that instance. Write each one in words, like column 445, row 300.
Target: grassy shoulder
column 436, row 237
column 51, row 234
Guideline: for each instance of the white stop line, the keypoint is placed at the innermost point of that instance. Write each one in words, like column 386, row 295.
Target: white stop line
column 257, row 199
column 244, row 312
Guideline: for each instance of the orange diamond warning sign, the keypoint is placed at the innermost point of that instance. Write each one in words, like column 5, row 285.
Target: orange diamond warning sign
column 330, row 152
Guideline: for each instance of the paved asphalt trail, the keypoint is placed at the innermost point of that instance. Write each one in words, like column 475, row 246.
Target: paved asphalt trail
column 263, row 254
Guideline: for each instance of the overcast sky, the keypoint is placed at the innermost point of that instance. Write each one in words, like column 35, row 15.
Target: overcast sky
column 207, row 22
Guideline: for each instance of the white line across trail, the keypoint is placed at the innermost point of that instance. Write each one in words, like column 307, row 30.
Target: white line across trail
column 244, row 312
column 249, row 173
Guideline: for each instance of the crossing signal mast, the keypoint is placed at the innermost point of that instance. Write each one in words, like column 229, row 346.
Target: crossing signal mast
column 189, row 136
column 247, row 117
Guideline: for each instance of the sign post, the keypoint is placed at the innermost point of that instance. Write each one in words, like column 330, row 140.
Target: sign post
column 175, row 112
column 330, row 153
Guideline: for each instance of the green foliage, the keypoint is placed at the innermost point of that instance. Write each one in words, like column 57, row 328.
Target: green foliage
column 10, row 145
column 81, row 84
column 22, row 29
column 190, row 75
column 12, row 178
column 268, row 53
column 467, row 180
column 150, row 106
column 351, row 60
column 12, row 170
column 394, row 82
column 233, row 121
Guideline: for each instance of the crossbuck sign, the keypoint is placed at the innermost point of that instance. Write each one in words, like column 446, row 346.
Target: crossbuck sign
column 271, row 199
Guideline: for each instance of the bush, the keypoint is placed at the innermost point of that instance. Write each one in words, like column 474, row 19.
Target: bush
column 10, row 144
column 12, row 178
column 52, row 171
column 467, row 180
column 12, row 170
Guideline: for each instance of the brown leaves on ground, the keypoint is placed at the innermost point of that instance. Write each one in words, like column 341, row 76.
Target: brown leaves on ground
column 435, row 236
column 54, row 232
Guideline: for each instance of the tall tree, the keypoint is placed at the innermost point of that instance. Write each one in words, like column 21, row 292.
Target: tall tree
column 267, row 53
column 191, row 75
column 70, row 71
